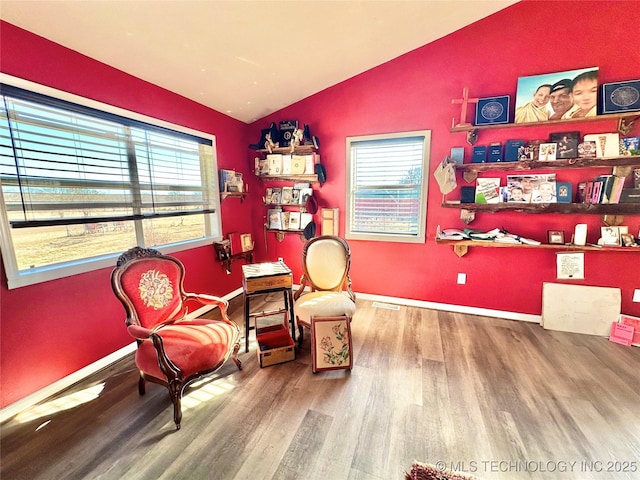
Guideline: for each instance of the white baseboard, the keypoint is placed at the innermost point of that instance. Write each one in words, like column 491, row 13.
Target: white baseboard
column 46, row 392
column 483, row 312
column 65, row 382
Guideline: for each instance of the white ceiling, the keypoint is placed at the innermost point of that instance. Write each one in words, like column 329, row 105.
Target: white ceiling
column 245, row 58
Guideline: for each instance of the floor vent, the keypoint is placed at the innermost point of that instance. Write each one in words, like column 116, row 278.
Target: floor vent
column 388, row 306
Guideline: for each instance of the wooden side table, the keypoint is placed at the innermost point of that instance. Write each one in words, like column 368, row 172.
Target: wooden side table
column 263, row 278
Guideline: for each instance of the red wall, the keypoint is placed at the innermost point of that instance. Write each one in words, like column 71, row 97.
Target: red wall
column 53, row 329
column 414, row 92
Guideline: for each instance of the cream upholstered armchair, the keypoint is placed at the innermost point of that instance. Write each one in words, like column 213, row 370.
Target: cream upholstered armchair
column 325, row 263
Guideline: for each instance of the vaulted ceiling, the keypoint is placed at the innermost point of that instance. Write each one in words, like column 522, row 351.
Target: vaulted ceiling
column 245, row 58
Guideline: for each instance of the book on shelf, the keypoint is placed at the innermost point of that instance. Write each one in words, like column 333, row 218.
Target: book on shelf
column 275, row 163
column 286, row 164
column 275, row 218
column 276, row 195
column 488, row 190
column 267, row 195
column 294, row 221
column 285, row 216
column 287, row 193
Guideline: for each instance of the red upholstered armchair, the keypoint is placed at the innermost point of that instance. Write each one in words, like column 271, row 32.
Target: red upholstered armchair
column 172, row 350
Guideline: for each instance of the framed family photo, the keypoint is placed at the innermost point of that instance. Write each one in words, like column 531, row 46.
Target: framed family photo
column 539, row 188
column 555, row 96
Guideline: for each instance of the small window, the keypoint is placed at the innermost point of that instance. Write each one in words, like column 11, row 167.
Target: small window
column 80, row 185
column 387, row 186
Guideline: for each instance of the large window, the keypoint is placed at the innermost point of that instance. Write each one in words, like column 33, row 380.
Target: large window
column 387, row 186
column 81, row 184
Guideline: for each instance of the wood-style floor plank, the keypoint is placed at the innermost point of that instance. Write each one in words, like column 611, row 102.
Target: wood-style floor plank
column 497, row 398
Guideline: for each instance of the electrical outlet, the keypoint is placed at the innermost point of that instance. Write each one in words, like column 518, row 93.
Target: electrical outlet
column 636, row 295
column 462, row 278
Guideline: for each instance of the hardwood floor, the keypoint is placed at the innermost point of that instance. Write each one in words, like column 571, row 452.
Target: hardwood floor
column 500, row 399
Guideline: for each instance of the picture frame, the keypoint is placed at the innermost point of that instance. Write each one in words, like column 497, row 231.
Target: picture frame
column 611, row 235
column 530, row 184
column 567, row 144
column 492, row 110
column 540, row 98
column 331, row 344
column 555, row 237
column 621, row 97
column 548, row 152
column 627, row 240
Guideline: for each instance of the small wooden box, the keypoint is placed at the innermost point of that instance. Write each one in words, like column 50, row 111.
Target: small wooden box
column 259, row 277
column 275, row 345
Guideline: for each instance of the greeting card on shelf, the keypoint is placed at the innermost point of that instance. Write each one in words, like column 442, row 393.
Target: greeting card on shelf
column 488, row 190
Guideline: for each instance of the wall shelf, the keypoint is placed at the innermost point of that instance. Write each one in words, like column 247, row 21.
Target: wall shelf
column 461, row 247
column 299, row 150
column 240, row 195
column 280, row 234
column 310, row 178
column 625, row 124
column 563, row 208
column 530, row 165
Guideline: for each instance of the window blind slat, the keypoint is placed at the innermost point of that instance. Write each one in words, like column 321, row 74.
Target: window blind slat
column 75, row 164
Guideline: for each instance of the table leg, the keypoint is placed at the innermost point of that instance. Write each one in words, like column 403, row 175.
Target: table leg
column 246, row 322
column 288, row 295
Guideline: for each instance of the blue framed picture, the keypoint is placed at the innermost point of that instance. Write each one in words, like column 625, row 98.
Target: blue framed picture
column 621, row 97
column 490, row 111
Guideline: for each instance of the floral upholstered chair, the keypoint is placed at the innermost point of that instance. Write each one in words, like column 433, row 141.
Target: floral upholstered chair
column 326, row 261
column 172, row 350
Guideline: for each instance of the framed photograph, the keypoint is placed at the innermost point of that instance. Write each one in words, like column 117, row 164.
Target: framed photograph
column 275, row 219
column 535, row 188
column 610, row 236
column 567, row 144
column 628, row 240
column 555, row 96
column 331, row 346
column 555, row 237
column 492, row 110
column 548, row 152
column 621, row 97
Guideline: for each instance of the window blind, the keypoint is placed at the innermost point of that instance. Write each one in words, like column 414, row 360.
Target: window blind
column 62, row 164
column 387, row 184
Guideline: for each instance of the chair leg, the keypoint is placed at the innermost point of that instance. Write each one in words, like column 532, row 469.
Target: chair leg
column 237, row 361
column 175, row 392
column 301, row 336
column 141, row 385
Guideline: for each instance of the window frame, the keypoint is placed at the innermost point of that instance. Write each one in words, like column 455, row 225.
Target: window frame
column 17, row 278
column 420, row 237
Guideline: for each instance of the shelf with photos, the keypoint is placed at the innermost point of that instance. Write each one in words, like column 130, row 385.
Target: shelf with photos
column 613, row 194
column 562, row 208
column 526, row 165
column 625, row 124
